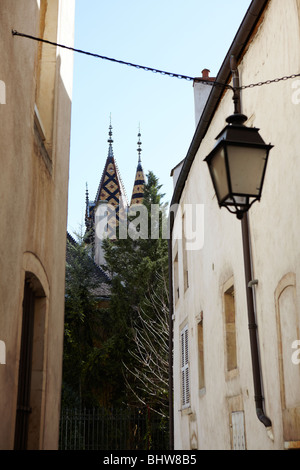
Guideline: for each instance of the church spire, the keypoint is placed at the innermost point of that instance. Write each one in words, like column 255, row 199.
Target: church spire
column 139, row 182
column 111, row 190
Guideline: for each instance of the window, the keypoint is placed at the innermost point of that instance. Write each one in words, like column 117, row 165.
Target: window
column 176, row 278
column 184, row 255
column 185, row 374
column 200, row 354
column 230, row 329
column 288, row 330
column 46, row 76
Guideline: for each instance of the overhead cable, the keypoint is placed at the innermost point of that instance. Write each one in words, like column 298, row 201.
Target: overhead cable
column 150, row 69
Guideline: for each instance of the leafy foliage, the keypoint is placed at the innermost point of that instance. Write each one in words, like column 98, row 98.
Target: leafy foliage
column 82, row 324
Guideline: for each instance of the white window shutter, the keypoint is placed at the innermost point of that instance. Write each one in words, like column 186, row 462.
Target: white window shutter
column 185, row 376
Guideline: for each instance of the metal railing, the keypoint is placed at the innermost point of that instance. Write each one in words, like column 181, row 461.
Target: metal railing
column 112, row 429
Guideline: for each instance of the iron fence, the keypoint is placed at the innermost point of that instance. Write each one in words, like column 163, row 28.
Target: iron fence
column 112, row 429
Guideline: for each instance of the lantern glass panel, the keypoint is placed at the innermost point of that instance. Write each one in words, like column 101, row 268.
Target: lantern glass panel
column 219, row 174
column 246, row 168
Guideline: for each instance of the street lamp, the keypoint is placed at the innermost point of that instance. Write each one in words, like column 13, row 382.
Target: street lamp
column 237, row 165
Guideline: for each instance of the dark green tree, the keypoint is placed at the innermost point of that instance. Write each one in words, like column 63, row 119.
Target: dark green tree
column 139, row 271
column 82, row 323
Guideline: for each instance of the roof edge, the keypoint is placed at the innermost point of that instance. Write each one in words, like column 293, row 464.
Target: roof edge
column 251, row 18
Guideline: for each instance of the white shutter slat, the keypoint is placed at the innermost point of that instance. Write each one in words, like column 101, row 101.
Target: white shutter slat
column 186, row 349
column 182, row 350
column 187, row 386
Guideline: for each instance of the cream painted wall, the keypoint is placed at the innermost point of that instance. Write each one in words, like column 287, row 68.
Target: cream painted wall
column 273, row 52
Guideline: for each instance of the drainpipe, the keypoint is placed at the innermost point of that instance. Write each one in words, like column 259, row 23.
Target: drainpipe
column 171, row 405
column 235, row 85
column 258, row 396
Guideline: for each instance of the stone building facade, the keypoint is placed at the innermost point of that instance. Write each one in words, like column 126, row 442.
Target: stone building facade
column 214, row 392
column 34, row 155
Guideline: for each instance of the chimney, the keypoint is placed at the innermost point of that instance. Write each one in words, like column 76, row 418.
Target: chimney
column 205, row 74
column 202, row 90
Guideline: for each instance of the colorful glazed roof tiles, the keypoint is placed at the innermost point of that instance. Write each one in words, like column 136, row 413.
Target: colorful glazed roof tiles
column 111, row 190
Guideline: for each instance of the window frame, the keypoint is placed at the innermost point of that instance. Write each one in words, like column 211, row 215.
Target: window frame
column 200, row 346
column 230, row 330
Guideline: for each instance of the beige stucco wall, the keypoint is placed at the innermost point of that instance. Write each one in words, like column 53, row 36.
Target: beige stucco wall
column 33, row 209
column 273, row 52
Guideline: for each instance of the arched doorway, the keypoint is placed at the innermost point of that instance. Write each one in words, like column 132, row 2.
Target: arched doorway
column 32, row 367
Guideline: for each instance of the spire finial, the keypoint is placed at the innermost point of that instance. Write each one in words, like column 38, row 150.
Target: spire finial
column 139, row 182
column 139, row 144
column 87, row 214
column 110, row 140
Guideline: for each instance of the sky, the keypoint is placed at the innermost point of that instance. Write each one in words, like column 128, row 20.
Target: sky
column 182, row 37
